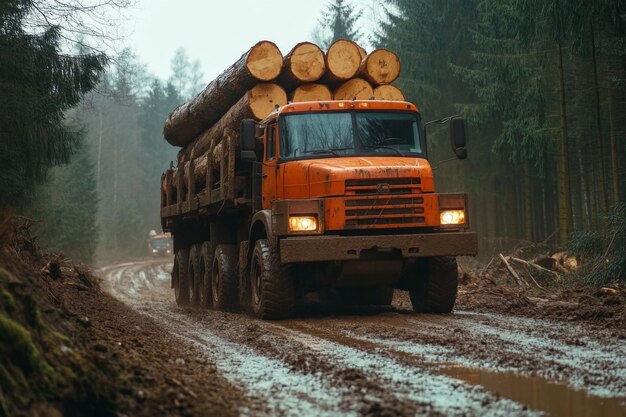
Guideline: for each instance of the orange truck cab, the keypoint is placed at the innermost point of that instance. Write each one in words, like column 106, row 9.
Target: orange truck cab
column 339, row 204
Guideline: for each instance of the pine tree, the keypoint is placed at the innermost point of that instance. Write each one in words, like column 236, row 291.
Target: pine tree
column 38, row 84
column 66, row 208
column 340, row 19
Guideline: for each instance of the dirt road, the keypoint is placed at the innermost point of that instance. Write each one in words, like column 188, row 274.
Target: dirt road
column 390, row 362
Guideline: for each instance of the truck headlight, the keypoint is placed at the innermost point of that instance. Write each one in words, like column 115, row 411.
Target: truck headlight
column 302, row 223
column 452, row 217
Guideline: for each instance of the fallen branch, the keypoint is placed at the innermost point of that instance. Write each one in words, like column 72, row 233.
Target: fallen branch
column 518, row 279
column 184, row 388
column 536, row 266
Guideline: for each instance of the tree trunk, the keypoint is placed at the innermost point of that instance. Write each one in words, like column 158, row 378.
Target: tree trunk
column 600, row 143
column 311, row 92
column 354, row 89
column 562, row 168
column 528, row 203
column 614, row 151
column 262, row 63
column 342, row 62
column 304, row 64
column 388, row 92
column 380, row 67
column 256, row 104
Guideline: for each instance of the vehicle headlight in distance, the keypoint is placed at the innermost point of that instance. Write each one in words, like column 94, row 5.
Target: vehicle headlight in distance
column 302, row 224
column 154, row 251
column 452, row 217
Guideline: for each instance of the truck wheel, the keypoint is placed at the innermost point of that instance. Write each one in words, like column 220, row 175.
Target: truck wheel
column 193, row 275
column 224, row 280
column 433, row 287
column 205, row 265
column 181, row 284
column 273, row 295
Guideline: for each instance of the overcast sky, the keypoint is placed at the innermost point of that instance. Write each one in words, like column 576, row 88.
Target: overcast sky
column 216, row 32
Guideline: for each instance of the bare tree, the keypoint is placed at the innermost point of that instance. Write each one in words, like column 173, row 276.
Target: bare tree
column 92, row 24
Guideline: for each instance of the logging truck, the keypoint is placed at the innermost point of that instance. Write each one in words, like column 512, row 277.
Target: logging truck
column 333, row 197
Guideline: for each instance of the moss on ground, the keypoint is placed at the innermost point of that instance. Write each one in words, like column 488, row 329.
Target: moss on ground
column 38, row 364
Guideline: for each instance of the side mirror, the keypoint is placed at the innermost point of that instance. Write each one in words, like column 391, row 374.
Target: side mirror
column 247, row 140
column 457, row 137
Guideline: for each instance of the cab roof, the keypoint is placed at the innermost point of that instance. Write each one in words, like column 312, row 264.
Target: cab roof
column 342, row 105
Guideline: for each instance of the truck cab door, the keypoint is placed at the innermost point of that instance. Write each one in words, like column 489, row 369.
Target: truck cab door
column 269, row 172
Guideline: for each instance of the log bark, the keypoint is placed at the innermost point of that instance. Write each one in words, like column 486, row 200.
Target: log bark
column 388, row 92
column 311, row 92
column 256, row 104
column 303, row 64
column 354, row 89
column 343, row 59
column 380, row 67
column 262, row 63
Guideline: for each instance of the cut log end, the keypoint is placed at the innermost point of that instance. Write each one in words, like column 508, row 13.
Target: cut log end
column 311, row 92
column 354, row 89
column 343, row 59
column 380, row 67
column 265, row 61
column 306, row 62
column 263, row 99
column 388, row 92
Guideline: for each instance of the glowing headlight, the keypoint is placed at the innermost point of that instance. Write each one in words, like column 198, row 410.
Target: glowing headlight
column 452, row 217
column 154, row 251
column 302, row 224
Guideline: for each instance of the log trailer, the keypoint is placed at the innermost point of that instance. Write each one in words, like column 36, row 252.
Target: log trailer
column 334, row 197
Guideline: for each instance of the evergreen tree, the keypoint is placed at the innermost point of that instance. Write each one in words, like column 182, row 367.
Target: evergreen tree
column 37, row 85
column 66, row 208
column 340, row 19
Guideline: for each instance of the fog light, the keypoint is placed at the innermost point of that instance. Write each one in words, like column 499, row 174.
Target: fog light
column 452, row 217
column 302, row 224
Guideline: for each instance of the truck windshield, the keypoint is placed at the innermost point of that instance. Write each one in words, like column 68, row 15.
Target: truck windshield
column 338, row 134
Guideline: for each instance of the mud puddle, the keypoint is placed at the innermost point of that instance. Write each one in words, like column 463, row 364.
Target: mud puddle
column 554, row 399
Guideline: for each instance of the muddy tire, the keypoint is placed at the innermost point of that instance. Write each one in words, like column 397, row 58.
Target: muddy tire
column 193, row 274
column 433, row 288
column 272, row 288
column 205, row 266
column 182, row 290
column 224, row 279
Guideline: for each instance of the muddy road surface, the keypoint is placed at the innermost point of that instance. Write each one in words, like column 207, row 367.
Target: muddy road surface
column 390, row 362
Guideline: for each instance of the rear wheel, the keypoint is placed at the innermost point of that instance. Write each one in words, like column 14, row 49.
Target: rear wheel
column 273, row 295
column 433, row 286
column 224, row 279
column 205, row 265
column 182, row 291
column 194, row 275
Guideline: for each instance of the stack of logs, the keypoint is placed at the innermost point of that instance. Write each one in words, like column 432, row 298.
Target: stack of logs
column 206, row 127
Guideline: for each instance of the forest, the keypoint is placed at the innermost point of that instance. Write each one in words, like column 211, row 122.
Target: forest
column 541, row 85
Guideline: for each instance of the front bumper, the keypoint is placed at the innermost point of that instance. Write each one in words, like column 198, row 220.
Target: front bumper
column 343, row 248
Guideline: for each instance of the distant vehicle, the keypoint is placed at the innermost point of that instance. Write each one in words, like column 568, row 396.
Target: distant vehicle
column 160, row 245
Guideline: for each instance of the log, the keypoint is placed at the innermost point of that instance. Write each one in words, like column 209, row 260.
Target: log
column 303, row 64
column 380, row 67
column 343, row 59
column 256, row 104
column 311, row 92
column 362, row 52
column 354, row 89
column 388, row 92
column 262, row 63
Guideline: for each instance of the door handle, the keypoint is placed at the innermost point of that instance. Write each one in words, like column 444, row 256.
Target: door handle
column 263, row 176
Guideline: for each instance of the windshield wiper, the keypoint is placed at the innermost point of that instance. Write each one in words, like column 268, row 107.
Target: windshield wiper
column 330, row 150
column 384, row 147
